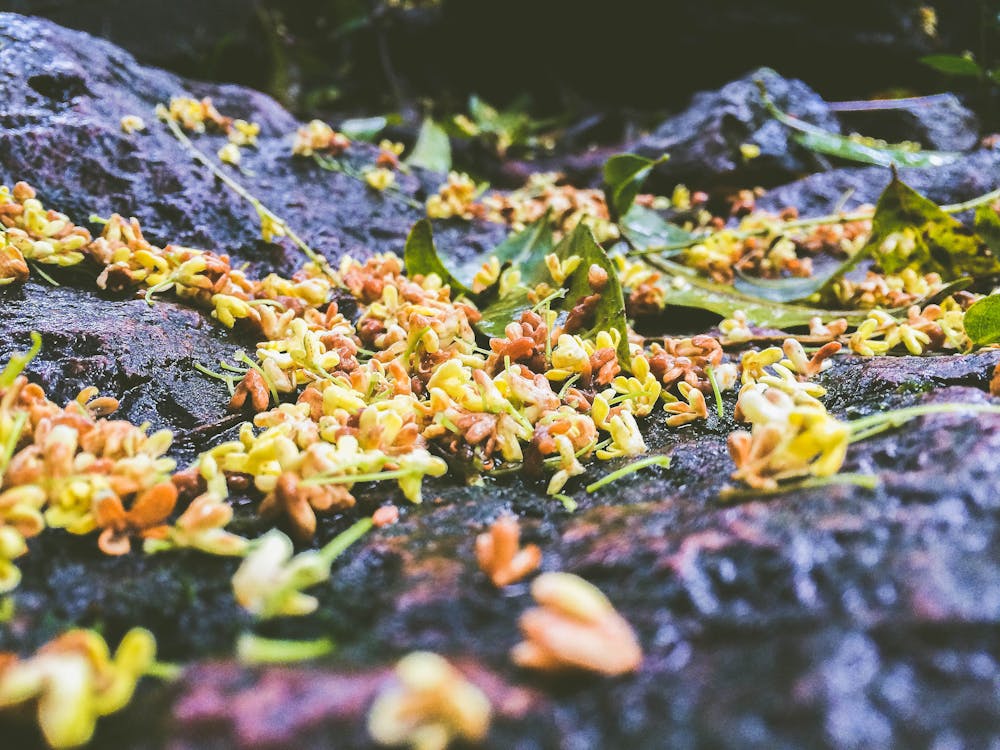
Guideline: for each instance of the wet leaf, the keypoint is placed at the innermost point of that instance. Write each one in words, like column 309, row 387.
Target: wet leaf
column 420, row 256
column 982, row 321
column 646, row 230
column 432, row 150
column 623, row 178
column 833, row 144
column 955, row 65
column 784, row 290
column 610, row 311
column 697, row 292
column 363, row 128
column 987, row 224
column 529, row 246
column 910, row 231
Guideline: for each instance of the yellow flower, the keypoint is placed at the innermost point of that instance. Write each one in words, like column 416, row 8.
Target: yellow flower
column 244, row 133
column 270, row 580
column 380, row 178
column 429, row 705
column 75, row 681
column 230, row 154
column 132, row 123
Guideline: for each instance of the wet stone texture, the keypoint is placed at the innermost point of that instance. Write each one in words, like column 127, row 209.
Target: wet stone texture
column 840, row 618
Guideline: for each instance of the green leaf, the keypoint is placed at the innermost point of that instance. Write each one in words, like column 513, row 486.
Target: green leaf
column 17, row 363
column 843, row 147
column 982, row 321
column 987, row 225
column 784, row 290
column 498, row 315
column 955, row 65
column 363, row 128
column 610, row 311
column 925, row 238
column 833, row 144
column 646, row 230
column 623, row 178
column 432, row 150
column 528, row 247
column 420, row 256
column 724, row 300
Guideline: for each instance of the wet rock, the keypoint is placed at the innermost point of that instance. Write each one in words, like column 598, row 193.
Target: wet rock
column 970, row 176
column 705, row 140
column 837, row 617
column 64, row 95
column 688, row 46
column 938, row 122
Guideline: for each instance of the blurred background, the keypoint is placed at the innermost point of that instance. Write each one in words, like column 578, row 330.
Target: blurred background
column 551, row 74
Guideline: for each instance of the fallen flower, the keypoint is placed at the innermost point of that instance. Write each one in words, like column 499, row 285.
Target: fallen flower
column 501, row 556
column 428, row 705
column 75, row 681
column 575, row 626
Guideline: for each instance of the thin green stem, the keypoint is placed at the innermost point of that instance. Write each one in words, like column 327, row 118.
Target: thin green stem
column 642, row 463
column 161, row 670
column 255, row 649
column 38, row 269
column 336, row 546
column 898, row 417
column 246, row 195
column 715, row 389
column 568, row 503
column 867, row 481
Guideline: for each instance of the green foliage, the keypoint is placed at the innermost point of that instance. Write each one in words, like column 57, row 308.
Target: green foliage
column 610, row 311
column 910, row 231
column 432, row 151
column 940, row 243
column 420, row 257
column 526, row 251
column 17, row 363
column 724, row 300
column 954, row 65
column 854, row 149
column 623, row 178
column 982, row 321
column 647, row 231
column 501, row 129
column 363, row 128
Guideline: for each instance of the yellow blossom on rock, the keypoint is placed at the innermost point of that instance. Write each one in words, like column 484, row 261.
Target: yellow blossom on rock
column 428, row 705
column 244, row 133
column 132, row 123
column 380, row 178
column 75, row 681
column 230, row 154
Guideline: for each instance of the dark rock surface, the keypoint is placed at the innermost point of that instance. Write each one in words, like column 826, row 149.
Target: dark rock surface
column 64, row 96
column 651, row 54
column 838, row 617
column 938, row 122
column 704, row 140
column 970, row 176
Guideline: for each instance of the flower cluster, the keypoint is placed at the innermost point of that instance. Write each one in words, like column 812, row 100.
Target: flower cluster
column 319, row 138
column 66, row 467
column 30, row 232
column 574, row 626
column 74, row 681
column 428, row 705
column 456, row 198
column 933, row 328
column 566, row 206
